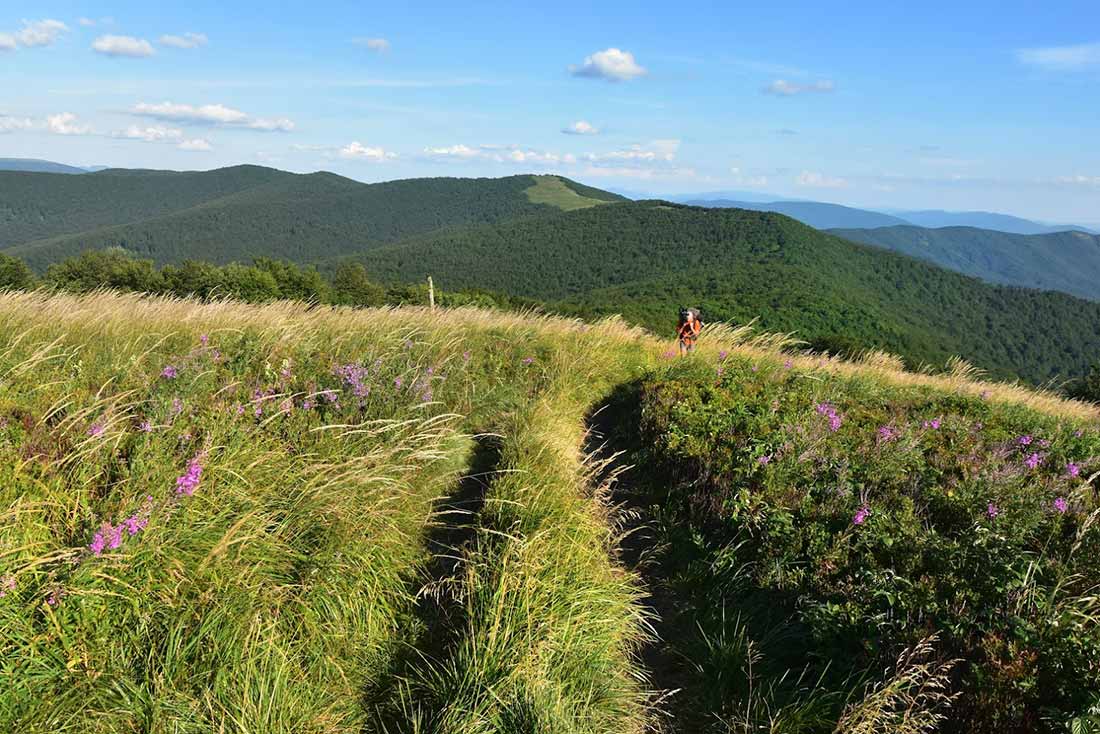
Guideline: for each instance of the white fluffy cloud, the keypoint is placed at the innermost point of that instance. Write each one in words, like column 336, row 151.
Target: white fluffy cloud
column 1062, row 58
column 813, row 179
column 611, row 64
column 742, row 179
column 10, row 124
column 658, row 151
column 357, row 151
column 516, row 154
column 127, row 46
column 581, row 127
column 152, row 134
column 380, row 45
column 210, row 114
column 195, row 145
column 33, row 33
column 184, row 40
column 66, row 123
column 784, row 88
column 1080, row 180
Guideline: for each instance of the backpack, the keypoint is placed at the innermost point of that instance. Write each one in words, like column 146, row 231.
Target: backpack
column 693, row 311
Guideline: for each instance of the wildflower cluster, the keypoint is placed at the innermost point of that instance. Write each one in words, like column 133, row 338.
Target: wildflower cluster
column 830, row 412
column 110, row 537
column 189, row 480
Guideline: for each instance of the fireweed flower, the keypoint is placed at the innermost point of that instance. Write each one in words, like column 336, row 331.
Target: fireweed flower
column 829, row 411
column 888, row 433
column 1073, row 470
column 1033, row 460
column 1024, row 440
column 189, row 480
column 169, row 372
column 1061, row 505
column 861, row 515
column 992, row 511
column 99, row 540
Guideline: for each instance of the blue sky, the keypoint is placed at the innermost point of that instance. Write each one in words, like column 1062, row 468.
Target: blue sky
column 974, row 105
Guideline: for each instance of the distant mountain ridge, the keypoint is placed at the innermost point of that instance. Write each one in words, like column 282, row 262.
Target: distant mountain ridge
column 822, row 215
column 814, row 213
column 1058, row 261
column 39, row 166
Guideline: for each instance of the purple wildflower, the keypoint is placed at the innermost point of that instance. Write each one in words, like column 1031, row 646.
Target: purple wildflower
column 177, row 406
column 96, row 429
column 1073, row 470
column 258, row 411
column 1033, row 460
column 933, row 424
column 169, row 372
column 307, row 404
column 189, row 480
column 1024, row 440
column 755, row 368
column 1078, row 433
column 861, row 515
column 466, row 356
column 99, row 541
column 829, row 411
column 992, row 511
column 114, row 538
column 788, row 364
column 888, row 433
column 204, row 339
column 722, row 355
column 764, row 460
column 528, row 360
column 145, row 427
column 7, row 584
column 1061, row 505
column 55, row 596
column 397, row 383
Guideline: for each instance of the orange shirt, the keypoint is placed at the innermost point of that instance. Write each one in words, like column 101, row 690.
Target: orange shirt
column 689, row 330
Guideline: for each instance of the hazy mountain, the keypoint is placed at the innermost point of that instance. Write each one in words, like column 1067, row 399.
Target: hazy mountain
column 39, row 166
column 816, row 214
column 984, row 220
column 1060, row 261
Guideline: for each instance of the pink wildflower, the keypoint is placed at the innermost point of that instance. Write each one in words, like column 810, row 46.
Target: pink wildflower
column 888, row 433
column 169, row 372
column 187, row 482
column 7, row 584
column 992, row 511
column 722, row 355
column 829, row 411
column 1073, row 470
column 203, row 339
column 99, row 541
column 1061, row 505
column 861, row 515
column 1033, row 460
column 145, row 427
column 528, row 360
column 96, row 429
column 788, row 364
column 1024, row 440
column 764, row 460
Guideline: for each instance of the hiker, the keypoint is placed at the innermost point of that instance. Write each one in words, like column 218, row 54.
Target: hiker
column 689, row 328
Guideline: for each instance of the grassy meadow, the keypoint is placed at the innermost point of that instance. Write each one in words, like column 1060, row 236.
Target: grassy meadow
column 218, row 517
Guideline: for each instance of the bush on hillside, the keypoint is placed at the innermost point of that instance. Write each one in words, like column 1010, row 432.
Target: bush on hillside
column 860, row 519
column 111, row 268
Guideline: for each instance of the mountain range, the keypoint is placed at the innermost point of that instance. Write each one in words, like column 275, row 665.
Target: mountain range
column 590, row 252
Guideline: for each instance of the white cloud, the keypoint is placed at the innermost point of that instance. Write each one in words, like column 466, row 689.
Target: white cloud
column 210, row 114
column 184, row 40
column 380, row 45
column 454, row 151
column 784, row 88
column 357, row 151
column 10, row 124
column 33, row 33
column 128, row 46
column 740, row 179
column 658, row 151
column 1062, row 58
column 87, row 22
column 644, row 174
column 816, row 180
column 66, row 123
column 611, row 64
column 196, row 145
column 152, row 134
column 581, row 127
column 1080, row 180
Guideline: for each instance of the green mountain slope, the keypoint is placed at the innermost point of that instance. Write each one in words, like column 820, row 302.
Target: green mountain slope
column 35, row 164
column 644, row 259
column 1062, row 261
column 37, row 205
column 275, row 214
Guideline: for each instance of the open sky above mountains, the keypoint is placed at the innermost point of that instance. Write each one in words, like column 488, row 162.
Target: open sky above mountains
column 973, row 106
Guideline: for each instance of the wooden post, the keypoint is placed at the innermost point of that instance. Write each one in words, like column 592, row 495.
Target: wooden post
column 431, row 294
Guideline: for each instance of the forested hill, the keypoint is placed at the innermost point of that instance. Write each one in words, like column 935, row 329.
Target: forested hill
column 1065, row 261
column 248, row 211
column 644, row 259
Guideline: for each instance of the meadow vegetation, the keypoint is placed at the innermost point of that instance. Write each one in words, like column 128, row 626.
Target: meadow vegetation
column 298, row 518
